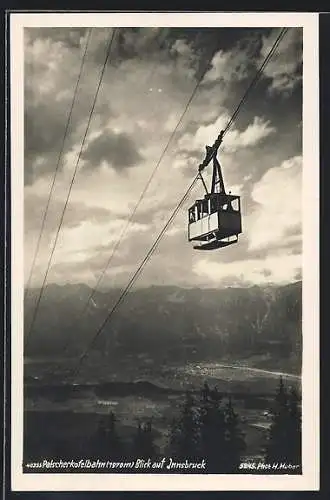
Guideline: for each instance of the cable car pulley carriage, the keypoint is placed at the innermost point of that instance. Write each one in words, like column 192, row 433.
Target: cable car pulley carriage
column 214, row 221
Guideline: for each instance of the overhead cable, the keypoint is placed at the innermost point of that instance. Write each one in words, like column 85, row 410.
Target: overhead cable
column 111, row 39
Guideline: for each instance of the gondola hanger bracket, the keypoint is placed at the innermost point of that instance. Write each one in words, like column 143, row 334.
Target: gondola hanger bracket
column 215, row 220
column 211, row 151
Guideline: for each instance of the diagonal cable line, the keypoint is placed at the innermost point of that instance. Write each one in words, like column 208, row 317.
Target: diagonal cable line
column 163, row 154
column 137, row 272
column 71, row 184
column 256, row 77
column 150, row 252
column 129, row 220
column 75, row 92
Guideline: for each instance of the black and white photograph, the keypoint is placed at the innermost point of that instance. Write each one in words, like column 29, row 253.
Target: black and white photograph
column 165, row 204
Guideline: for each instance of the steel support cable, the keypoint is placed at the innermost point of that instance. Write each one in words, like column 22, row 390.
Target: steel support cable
column 218, row 141
column 129, row 220
column 149, row 254
column 136, row 274
column 75, row 92
column 122, row 234
column 71, row 183
column 256, row 77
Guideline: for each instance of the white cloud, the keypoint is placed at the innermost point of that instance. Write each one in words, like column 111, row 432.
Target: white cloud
column 228, row 66
column 45, row 60
column 283, row 67
column 79, row 243
column 142, row 38
column 278, row 198
column 182, row 48
column 126, row 104
column 277, row 268
column 254, row 133
column 171, row 121
column 205, row 134
column 186, row 57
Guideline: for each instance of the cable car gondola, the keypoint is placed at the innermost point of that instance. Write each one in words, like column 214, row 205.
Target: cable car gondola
column 215, row 220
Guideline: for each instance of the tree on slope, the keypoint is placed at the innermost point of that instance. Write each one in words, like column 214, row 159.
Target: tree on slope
column 284, row 438
column 184, row 434
column 107, row 442
column 143, row 445
column 212, row 431
column 234, row 439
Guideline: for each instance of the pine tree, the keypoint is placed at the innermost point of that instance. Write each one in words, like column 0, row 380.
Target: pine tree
column 184, row 438
column 277, row 438
column 98, row 440
column 284, row 439
column 113, row 442
column 143, row 442
column 294, row 455
column 234, row 439
column 212, row 432
column 107, row 443
column 205, row 392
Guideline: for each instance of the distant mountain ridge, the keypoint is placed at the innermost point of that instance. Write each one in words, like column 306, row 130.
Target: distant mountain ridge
column 171, row 322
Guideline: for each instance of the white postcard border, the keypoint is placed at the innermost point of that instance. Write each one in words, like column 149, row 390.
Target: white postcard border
column 309, row 480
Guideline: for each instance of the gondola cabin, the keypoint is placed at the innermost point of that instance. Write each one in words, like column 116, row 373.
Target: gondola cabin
column 215, row 220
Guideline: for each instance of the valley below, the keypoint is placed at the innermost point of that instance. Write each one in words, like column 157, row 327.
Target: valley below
column 166, row 341
column 61, row 416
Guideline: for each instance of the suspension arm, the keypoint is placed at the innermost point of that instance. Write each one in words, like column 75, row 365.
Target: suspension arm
column 211, row 151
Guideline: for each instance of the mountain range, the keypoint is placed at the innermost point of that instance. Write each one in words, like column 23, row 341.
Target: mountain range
column 170, row 323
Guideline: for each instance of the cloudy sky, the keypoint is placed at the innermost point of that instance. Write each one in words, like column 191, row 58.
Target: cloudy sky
column 149, row 78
